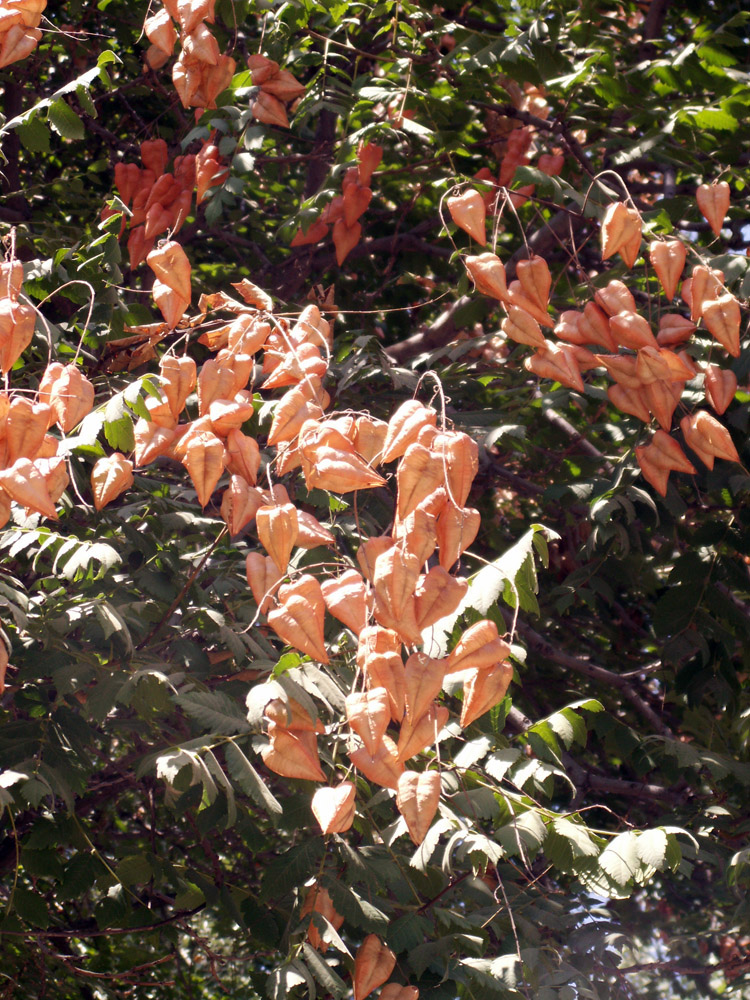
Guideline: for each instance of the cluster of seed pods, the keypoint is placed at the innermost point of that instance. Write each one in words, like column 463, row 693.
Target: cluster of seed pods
column 648, row 369
column 345, row 210
column 31, row 472
column 160, row 201
column 201, row 72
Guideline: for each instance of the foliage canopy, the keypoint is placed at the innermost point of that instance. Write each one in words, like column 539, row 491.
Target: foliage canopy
column 591, row 838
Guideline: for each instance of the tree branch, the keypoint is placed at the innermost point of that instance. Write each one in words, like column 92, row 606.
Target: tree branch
column 586, row 668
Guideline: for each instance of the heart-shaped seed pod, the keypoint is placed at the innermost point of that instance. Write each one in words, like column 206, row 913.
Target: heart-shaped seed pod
column 293, row 754
column 368, row 714
column 720, row 387
column 417, row 800
column 713, row 201
column 334, row 808
column 110, row 477
column 668, row 260
column 483, row 689
column 469, row 213
column 277, row 531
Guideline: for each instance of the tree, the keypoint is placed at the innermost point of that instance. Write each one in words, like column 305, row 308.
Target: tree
column 431, row 270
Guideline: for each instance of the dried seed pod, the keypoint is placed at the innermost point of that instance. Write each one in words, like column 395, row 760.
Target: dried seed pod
column 26, row 424
column 11, row 278
column 151, row 441
column 311, row 532
column 621, row 367
column 706, row 285
column 522, row 328
column 395, row 991
column 345, row 238
column 71, row 397
column 16, row 330
column 404, row 427
column 456, row 529
column 535, row 279
column 292, row 411
column 662, row 399
column 631, row 330
column 277, row 531
column 619, row 226
column 629, row 401
column 395, row 579
column 417, row 801
column 369, row 438
column 369, row 551
column 594, row 327
column 346, row 599
column 416, row 736
column 334, row 808
column 722, row 319
column 368, row 714
column 417, row 534
column 171, row 305
column 356, row 200
column 25, row 484
column 299, row 618
column 658, row 458
column 340, row 472
column 479, row 648
column 110, row 477
column 419, row 474
column 713, row 201
column 438, row 594
column 483, row 689
column 460, row 456
column 615, row 298
column 172, row 268
column 674, row 329
column 269, row 110
column 469, row 213
column 668, row 260
column 556, row 363
column 368, row 156
column 262, row 576
column 708, row 438
column 376, row 641
column 720, row 387
column 386, row 670
column 518, row 298
column 567, row 328
column 405, row 624
column 239, row 504
column 488, row 274
column 293, row 754
column 383, row 767
column 424, row 679
column 318, row 901
column 204, row 461
column 242, row 456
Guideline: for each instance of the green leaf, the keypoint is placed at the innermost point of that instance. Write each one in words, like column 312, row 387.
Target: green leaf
column 64, row 120
column 134, row 870
column 249, row 780
column 353, row 908
column 215, row 711
column 30, row 906
column 328, row 979
column 619, row 859
column 651, row 847
column 34, row 135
